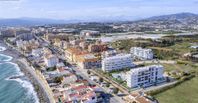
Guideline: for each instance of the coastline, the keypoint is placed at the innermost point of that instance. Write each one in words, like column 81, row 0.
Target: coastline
column 42, row 96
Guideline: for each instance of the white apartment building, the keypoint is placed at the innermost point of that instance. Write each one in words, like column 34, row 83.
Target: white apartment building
column 37, row 52
column 117, row 62
column 145, row 76
column 140, row 53
column 51, row 60
column 109, row 53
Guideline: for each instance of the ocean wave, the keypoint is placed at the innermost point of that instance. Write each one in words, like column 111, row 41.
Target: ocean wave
column 2, row 48
column 8, row 58
column 26, row 84
column 16, row 67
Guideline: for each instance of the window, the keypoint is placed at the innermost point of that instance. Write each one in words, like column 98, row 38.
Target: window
column 93, row 98
column 146, row 78
column 139, row 79
column 156, row 73
column 152, row 74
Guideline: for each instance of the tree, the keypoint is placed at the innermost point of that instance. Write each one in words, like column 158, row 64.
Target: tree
column 101, row 79
column 167, row 79
column 66, row 63
column 115, row 90
column 58, row 79
column 108, row 84
column 88, row 72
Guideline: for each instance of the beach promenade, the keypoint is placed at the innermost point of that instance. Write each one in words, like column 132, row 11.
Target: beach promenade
column 36, row 78
column 41, row 82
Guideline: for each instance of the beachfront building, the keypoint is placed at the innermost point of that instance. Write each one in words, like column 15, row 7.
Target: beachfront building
column 117, row 62
column 27, row 45
column 145, row 76
column 51, row 60
column 142, row 54
column 88, row 61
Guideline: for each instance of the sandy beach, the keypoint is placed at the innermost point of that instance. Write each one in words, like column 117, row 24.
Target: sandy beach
column 41, row 92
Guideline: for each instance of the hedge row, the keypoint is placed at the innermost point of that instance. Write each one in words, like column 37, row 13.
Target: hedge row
column 155, row 92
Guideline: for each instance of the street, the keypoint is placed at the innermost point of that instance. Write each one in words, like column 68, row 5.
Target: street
column 82, row 73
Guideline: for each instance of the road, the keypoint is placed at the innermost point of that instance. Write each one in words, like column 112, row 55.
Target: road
column 83, row 73
column 59, row 52
column 159, row 86
column 115, row 84
column 155, row 61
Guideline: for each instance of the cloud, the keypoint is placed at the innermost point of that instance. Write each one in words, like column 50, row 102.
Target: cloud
column 66, row 9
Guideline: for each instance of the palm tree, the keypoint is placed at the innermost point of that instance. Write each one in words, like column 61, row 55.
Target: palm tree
column 101, row 79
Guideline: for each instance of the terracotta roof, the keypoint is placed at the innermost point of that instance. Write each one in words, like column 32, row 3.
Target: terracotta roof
column 135, row 94
column 77, row 51
column 87, row 58
column 80, row 87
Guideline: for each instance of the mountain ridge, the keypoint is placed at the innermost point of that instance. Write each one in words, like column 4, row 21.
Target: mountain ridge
column 180, row 17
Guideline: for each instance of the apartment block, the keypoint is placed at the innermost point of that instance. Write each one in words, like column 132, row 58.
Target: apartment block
column 141, row 53
column 88, row 61
column 51, row 60
column 145, row 76
column 117, row 62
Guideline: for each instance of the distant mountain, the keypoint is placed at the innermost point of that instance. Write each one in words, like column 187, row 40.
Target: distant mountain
column 183, row 18
column 179, row 17
column 41, row 21
column 27, row 21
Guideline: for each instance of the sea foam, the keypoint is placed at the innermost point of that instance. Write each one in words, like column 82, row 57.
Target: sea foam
column 7, row 58
column 2, row 48
column 24, row 83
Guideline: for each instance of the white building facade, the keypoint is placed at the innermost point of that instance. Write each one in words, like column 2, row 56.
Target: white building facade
column 117, row 62
column 51, row 61
column 145, row 76
column 37, row 52
column 140, row 53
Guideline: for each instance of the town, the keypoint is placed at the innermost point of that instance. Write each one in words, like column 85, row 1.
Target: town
column 107, row 63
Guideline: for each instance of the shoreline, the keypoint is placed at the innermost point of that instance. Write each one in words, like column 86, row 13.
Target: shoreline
column 43, row 98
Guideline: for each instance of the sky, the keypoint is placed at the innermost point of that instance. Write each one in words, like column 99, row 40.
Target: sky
column 93, row 9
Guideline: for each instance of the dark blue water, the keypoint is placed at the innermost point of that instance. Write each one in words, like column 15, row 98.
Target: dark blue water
column 17, row 90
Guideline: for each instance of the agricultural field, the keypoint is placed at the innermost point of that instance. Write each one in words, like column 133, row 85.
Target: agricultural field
column 185, row 92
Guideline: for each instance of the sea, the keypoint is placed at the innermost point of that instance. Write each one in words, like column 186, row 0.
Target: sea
column 14, row 86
